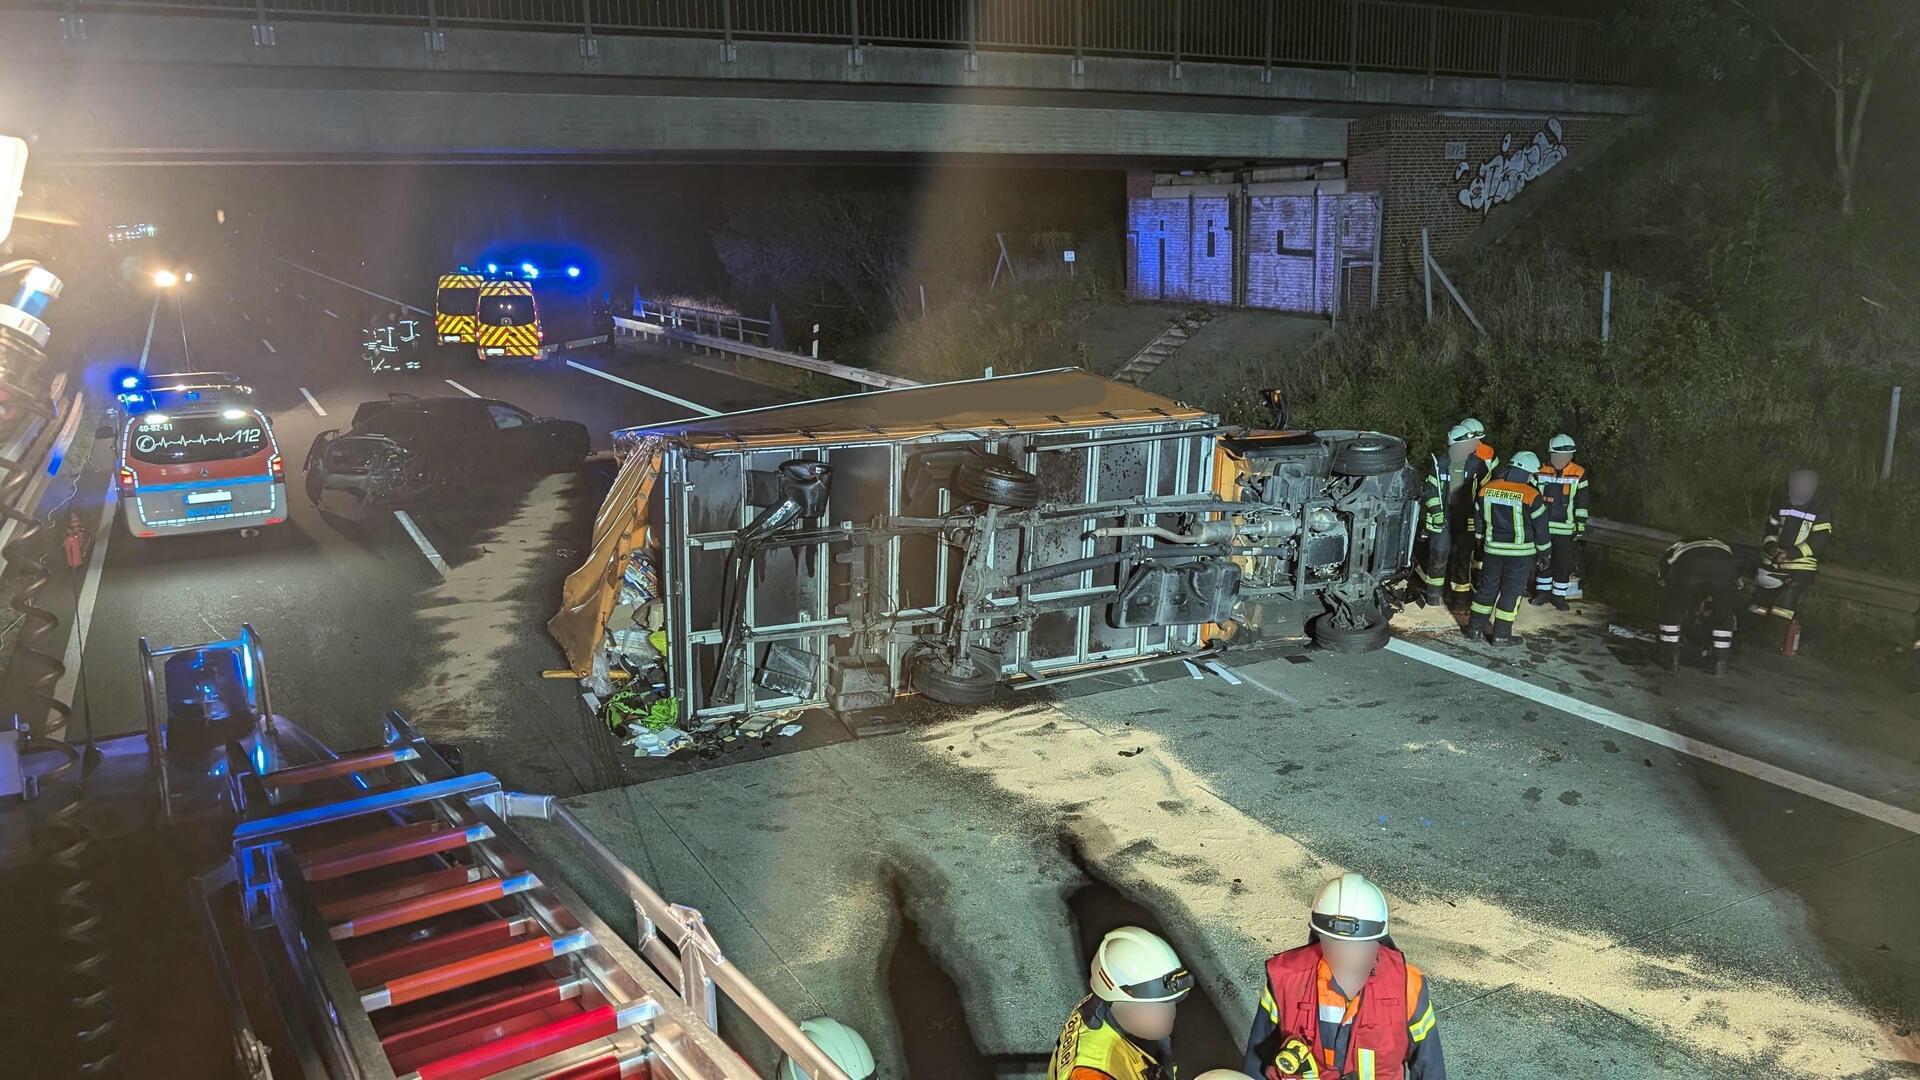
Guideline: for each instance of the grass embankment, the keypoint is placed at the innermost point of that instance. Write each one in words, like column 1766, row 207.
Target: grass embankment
column 1754, row 330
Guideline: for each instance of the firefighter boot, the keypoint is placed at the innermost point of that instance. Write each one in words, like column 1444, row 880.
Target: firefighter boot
column 1476, row 627
column 1560, row 603
column 1669, row 654
column 1719, row 663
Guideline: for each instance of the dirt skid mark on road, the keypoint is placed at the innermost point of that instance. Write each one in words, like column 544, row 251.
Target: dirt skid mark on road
column 477, row 613
column 1186, row 866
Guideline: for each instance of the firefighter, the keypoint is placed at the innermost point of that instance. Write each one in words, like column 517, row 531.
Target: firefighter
column 1447, row 517
column 1563, row 484
column 1123, row 1030
column 1275, row 400
column 1512, row 522
column 1797, row 533
column 1694, row 573
column 1347, row 1003
column 1483, row 452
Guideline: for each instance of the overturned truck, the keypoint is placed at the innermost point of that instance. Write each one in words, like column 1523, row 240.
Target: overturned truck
column 945, row 539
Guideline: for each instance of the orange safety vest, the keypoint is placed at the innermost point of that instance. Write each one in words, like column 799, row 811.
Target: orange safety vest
column 1379, row 1044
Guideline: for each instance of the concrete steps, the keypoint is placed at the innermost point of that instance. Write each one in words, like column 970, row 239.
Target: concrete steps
column 1163, row 346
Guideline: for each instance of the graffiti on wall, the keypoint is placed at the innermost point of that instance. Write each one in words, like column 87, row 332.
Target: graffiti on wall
column 1502, row 177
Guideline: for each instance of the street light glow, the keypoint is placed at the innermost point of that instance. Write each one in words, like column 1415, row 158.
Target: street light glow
column 165, row 279
column 188, row 277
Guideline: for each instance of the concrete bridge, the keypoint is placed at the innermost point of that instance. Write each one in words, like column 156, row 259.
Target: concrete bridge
column 1171, row 82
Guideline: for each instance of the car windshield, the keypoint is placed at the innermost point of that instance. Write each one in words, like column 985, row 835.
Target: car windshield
column 459, row 301
column 506, row 310
column 396, row 423
column 186, row 440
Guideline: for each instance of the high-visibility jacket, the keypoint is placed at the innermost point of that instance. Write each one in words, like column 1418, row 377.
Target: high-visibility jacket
column 1483, row 465
column 1443, row 503
column 1384, row 1032
column 1512, row 516
column 1799, row 533
column 1566, row 493
column 1092, row 1047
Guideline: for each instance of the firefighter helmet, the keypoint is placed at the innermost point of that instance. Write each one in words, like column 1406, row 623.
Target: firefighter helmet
column 1460, row 433
column 1562, row 444
column 1132, row 964
column 1350, row 908
column 1475, row 429
column 1527, row 462
column 842, row 1045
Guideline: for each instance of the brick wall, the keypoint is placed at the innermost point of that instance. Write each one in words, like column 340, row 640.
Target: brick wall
column 1413, row 160
column 1180, row 249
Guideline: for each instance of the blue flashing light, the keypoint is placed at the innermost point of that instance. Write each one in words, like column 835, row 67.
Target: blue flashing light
column 573, row 271
column 530, row 270
column 493, row 268
column 128, row 382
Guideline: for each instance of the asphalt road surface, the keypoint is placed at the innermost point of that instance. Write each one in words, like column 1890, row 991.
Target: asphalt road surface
column 1606, row 871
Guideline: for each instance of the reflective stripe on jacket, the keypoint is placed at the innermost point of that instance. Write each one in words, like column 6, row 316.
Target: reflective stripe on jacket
column 1800, row 533
column 1512, row 518
column 1566, row 493
column 1092, row 1045
column 1385, row 1032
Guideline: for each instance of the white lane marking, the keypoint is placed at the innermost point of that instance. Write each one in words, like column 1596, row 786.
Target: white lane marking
column 89, row 592
column 661, row 394
column 330, row 313
column 149, row 343
column 420, row 541
column 305, row 393
column 1219, row 669
column 269, row 345
column 348, row 284
column 1659, row 736
column 460, row 388
column 246, row 316
column 302, row 296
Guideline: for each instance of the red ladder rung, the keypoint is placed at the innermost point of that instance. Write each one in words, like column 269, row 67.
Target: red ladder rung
column 472, row 969
column 518, row 1049
column 340, row 766
column 416, row 908
column 387, row 847
column 411, row 1028
column 405, row 889
column 441, row 947
column 412, row 1057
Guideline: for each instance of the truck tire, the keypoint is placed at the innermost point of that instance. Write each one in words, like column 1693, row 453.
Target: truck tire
column 996, row 481
column 938, row 679
column 1350, row 639
column 1370, row 454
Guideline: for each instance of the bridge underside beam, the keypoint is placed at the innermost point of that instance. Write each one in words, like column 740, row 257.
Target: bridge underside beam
column 134, row 119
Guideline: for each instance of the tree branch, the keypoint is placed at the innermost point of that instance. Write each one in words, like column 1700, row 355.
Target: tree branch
column 1788, row 45
column 1859, row 113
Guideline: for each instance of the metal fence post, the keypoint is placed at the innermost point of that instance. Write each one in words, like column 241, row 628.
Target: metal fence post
column 1506, row 36
column 589, row 45
column 1426, row 270
column 262, row 28
column 1179, row 24
column 1353, row 43
column 727, row 54
column 1266, row 49
column 854, row 56
column 1606, row 306
column 1433, row 46
column 1893, row 428
column 973, row 35
column 1079, row 37
column 436, row 38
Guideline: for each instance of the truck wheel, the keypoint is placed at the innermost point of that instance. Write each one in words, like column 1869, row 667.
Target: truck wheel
column 1370, row 454
column 1350, row 639
column 996, row 481
column 969, row 685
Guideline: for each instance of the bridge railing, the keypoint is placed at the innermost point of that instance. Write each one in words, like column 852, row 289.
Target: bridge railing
column 1354, row 35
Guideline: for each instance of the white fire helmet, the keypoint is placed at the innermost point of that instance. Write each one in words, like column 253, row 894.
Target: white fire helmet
column 1132, row 964
column 1561, row 444
column 1350, row 908
column 1527, row 462
column 1475, row 429
column 1460, row 433
column 842, row 1045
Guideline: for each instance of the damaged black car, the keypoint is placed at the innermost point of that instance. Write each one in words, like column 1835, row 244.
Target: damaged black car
column 410, row 451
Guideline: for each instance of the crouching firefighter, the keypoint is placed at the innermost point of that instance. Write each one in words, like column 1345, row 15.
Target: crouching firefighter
column 1347, row 1003
column 1447, row 517
column 1512, row 519
column 1124, row 1030
column 1698, row 577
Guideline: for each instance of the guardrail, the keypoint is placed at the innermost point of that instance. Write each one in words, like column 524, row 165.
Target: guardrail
column 1354, row 35
column 761, row 352
column 1835, row 582
column 699, row 320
